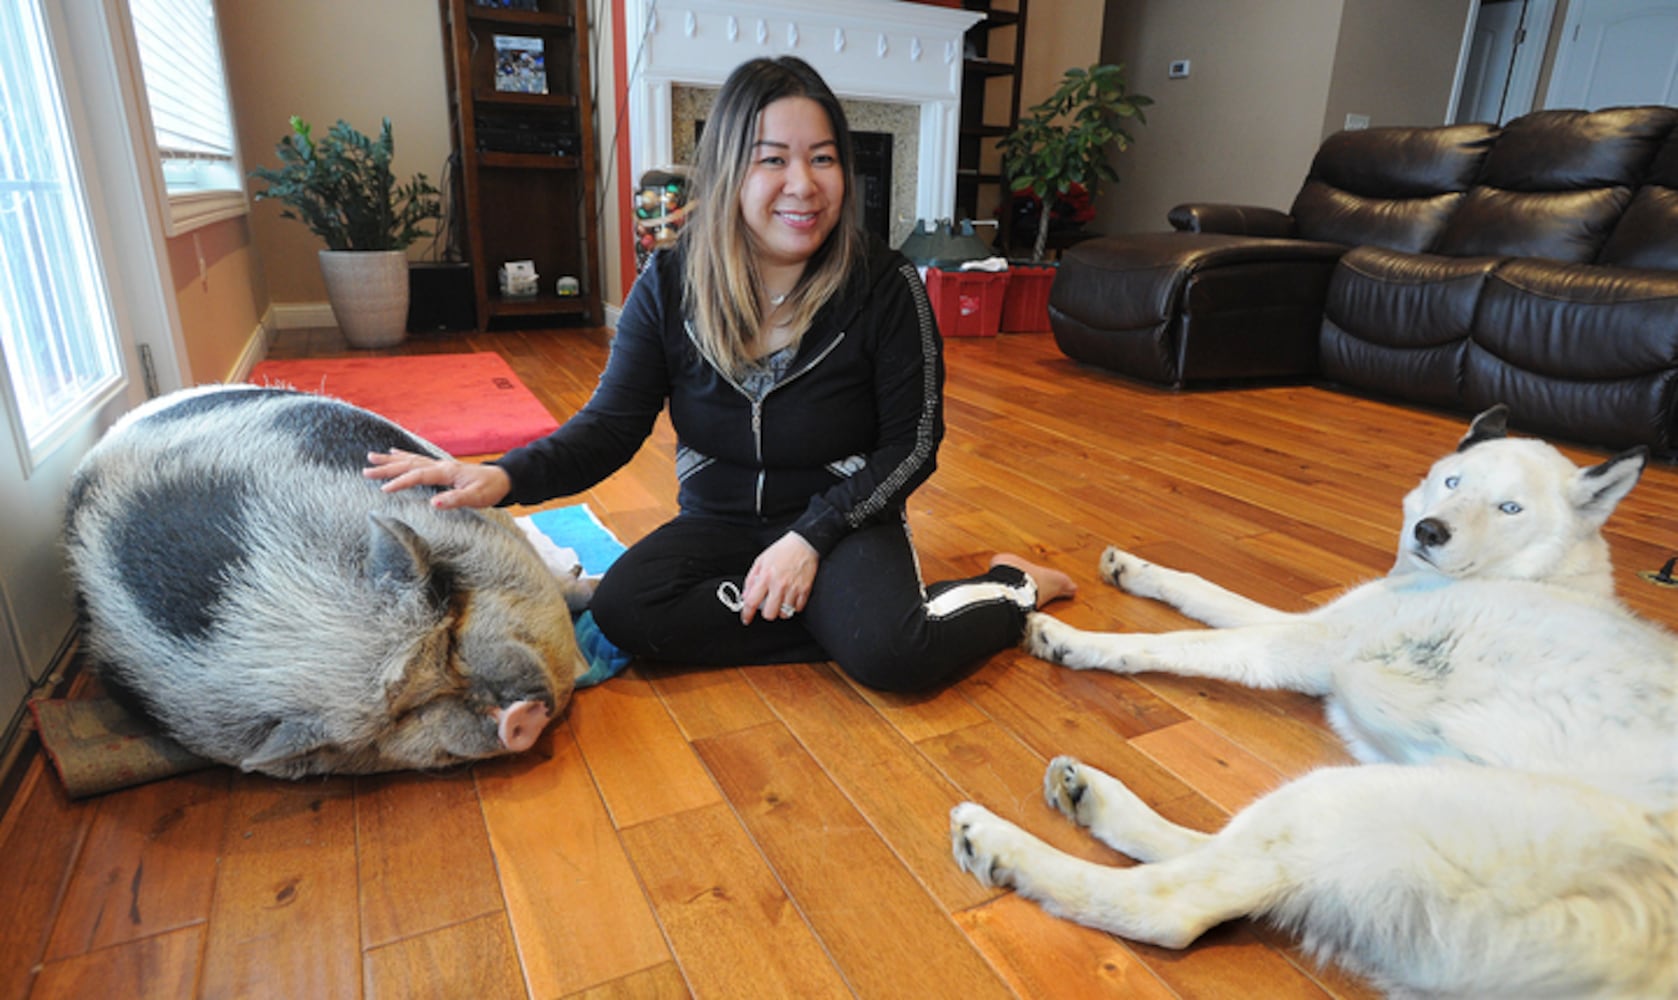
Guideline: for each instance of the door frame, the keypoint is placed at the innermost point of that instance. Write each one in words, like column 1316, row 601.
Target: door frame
column 1526, row 66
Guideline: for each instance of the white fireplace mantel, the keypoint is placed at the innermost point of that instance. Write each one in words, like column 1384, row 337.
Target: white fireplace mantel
column 872, row 50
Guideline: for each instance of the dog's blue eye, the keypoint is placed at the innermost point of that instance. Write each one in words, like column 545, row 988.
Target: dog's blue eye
column 1452, row 481
column 1510, row 507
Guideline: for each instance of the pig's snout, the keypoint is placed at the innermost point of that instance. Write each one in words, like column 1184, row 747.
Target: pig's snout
column 520, row 723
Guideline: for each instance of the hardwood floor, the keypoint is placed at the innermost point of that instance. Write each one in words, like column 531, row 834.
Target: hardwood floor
column 775, row 831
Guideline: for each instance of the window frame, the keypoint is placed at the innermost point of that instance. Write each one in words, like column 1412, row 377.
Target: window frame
column 181, row 211
column 38, row 441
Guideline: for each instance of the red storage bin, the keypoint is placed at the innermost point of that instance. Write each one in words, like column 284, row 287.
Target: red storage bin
column 1025, row 307
column 967, row 303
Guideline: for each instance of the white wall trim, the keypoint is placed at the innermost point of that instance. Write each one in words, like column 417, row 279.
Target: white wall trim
column 302, row 315
column 256, row 348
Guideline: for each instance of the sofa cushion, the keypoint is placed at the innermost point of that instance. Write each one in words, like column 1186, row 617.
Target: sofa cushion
column 1398, row 323
column 1584, row 352
column 1556, row 182
column 1647, row 234
column 1390, row 187
column 1563, row 225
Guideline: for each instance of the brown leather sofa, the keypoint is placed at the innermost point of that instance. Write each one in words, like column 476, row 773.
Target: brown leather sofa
column 1455, row 267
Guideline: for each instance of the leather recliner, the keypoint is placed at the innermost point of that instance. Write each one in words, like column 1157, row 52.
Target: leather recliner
column 1456, row 266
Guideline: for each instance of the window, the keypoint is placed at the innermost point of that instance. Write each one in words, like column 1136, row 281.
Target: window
column 186, row 93
column 56, row 331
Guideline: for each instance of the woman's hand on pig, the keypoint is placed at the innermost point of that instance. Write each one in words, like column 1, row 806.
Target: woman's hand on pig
column 466, row 485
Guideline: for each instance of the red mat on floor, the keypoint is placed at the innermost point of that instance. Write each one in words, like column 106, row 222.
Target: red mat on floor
column 465, row 404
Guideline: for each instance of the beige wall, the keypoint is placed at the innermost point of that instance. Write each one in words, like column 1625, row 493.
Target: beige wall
column 220, row 295
column 1242, row 127
column 324, row 60
column 362, row 61
column 1396, row 62
column 1269, row 80
column 1060, row 34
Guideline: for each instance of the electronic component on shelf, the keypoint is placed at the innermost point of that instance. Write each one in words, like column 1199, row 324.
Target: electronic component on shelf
column 497, row 134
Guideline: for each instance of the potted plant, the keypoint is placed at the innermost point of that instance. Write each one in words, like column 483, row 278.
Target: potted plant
column 342, row 188
column 1059, row 153
column 1064, row 142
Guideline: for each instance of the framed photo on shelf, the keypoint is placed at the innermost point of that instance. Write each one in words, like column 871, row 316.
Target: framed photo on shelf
column 520, row 67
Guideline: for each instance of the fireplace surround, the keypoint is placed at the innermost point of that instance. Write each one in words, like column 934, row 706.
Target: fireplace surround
column 895, row 64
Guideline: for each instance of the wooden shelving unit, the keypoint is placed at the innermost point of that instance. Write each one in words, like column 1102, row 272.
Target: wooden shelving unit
column 987, row 115
column 525, row 186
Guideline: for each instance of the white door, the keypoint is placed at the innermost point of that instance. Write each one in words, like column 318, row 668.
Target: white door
column 1502, row 56
column 82, row 284
column 1491, row 53
column 1615, row 52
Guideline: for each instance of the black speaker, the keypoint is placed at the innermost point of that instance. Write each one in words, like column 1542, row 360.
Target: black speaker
column 440, row 296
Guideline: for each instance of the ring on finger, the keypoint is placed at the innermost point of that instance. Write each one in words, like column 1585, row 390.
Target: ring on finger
column 787, row 611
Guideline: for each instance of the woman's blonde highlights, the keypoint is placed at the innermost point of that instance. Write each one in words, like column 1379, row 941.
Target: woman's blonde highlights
column 723, row 292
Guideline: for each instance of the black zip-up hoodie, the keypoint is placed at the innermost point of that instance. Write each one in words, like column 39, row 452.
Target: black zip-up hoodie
column 840, row 442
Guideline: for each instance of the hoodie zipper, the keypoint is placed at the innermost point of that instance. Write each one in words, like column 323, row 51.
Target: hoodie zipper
column 757, row 416
column 757, row 407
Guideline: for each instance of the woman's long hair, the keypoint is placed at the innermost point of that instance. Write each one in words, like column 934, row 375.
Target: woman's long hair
column 722, row 296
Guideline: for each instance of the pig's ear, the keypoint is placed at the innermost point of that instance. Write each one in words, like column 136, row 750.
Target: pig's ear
column 397, row 556
column 288, row 741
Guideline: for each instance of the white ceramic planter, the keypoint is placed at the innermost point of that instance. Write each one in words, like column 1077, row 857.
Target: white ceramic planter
column 368, row 290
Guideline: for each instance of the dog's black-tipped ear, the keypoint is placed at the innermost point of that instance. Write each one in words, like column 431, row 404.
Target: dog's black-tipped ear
column 1600, row 488
column 1488, row 426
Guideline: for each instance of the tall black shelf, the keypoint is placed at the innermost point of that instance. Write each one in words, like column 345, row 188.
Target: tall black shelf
column 980, row 186
column 526, row 184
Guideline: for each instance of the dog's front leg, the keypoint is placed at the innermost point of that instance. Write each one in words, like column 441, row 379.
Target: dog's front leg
column 1280, row 656
column 1195, row 596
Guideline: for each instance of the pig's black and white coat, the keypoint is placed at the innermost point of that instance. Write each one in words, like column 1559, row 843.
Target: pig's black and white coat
column 244, row 585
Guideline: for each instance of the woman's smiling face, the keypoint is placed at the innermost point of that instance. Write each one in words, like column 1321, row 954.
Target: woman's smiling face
column 795, row 187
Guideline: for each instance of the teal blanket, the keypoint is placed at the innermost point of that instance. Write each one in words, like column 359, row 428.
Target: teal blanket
column 573, row 536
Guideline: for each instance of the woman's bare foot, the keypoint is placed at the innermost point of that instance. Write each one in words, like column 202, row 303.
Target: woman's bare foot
column 1052, row 584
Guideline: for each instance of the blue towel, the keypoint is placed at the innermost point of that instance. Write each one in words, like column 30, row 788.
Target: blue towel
column 576, row 528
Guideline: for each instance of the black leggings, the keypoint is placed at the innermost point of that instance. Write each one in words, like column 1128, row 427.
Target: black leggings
column 867, row 611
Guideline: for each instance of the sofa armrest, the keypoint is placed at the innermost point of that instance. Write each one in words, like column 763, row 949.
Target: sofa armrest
column 1234, row 220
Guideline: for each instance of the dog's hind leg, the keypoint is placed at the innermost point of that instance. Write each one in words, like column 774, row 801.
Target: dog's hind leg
column 1279, row 656
column 1115, row 814
column 1193, row 595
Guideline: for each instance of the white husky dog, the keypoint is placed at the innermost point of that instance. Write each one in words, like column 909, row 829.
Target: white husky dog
column 1517, row 831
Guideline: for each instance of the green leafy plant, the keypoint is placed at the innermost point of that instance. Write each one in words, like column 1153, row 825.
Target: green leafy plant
column 1065, row 140
column 342, row 188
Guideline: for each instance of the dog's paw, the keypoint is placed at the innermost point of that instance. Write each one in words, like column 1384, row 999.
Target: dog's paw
column 1048, row 638
column 1066, row 789
column 1120, row 568
column 984, row 844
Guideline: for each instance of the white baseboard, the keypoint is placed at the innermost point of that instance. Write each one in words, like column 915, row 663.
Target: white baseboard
column 256, row 348
column 302, row 315
column 610, row 314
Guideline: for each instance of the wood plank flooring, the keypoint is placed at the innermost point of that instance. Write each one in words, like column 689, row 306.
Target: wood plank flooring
column 776, row 831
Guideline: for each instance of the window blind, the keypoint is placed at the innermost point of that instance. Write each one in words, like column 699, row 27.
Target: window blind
column 180, row 59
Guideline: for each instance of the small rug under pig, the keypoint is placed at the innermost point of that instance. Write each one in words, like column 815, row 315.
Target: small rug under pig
column 98, row 746
column 465, row 404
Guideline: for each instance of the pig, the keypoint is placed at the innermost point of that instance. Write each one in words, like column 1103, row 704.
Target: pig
column 243, row 585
